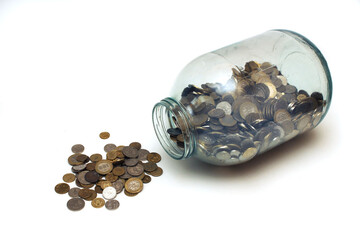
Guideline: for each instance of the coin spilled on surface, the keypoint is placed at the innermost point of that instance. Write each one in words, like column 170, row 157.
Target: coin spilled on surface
column 128, row 167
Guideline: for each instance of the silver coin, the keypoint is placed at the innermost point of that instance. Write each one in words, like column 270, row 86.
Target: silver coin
column 81, row 177
column 79, row 168
column 246, row 108
column 112, row 204
column 223, row 155
column 131, row 162
column 74, row 192
column 109, row 193
column 235, row 153
column 77, row 148
column 118, row 185
column 75, row 204
column 302, row 122
column 143, row 154
column 225, row 106
column 109, row 147
column 136, row 170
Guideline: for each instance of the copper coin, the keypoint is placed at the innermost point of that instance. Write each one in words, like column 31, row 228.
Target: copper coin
column 74, row 192
column 134, row 185
column 157, row 172
column 136, row 145
column 85, row 193
column 103, row 167
column 92, row 176
column 130, row 152
column 118, row 171
column 109, row 147
column 90, row 166
column 98, row 202
column 112, row 204
column 72, row 160
column 62, row 188
column 131, row 162
column 137, row 170
column 112, row 155
column 104, row 135
column 75, row 204
column 105, row 184
column 149, row 166
column 92, row 196
column 111, row 177
column 120, row 155
column 77, row 148
column 96, row 157
column 129, row 194
column 146, row 179
column 98, row 189
column 69, row 177
column 154, row 157
column 82, row 158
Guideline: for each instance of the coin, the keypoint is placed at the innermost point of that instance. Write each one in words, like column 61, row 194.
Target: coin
column 96, row 157
column 135, row 145
column 103, row 167
column 77, row 148
column 98, row 189
column 104, row 135
column 109, row 147
column 78, row 168
column 129, row 194
column 157, row 172
column 281, row 115
column 72, row 160
column 197, row 120
column 112, row 155
column 248, row 154
column 223, row 155
column 90, row 166
column 112, row 204
column 62, row 188
column 225, row 106
column 85, row 193
column 134, row 185
column 105, row 184
column 74, row 192
column 118, row 171
column 92, row 196
column 75, row 204
column 92, row 176
column 216, row 113
column 146, row 179
column 228, row 121
column 154, row 157
column 98, row 203
column 82, row 158
column 130, row 152
column 136, row 170
column 81, row 177
column 109, row 193
column 69, row 177
column 111, row 177
column 246, row 108
column 118, row 185
column 143, row 154
column 149, row 166
column 174, row 131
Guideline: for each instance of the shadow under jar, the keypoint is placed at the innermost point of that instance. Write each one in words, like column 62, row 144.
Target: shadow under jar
column 229, row 105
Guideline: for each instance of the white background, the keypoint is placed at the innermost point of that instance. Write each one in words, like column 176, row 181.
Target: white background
column 71, row 69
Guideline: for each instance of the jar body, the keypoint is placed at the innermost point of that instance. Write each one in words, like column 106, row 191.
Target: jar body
column 229, row 105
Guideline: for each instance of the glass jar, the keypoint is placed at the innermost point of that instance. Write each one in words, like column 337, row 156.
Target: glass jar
column 229, row 105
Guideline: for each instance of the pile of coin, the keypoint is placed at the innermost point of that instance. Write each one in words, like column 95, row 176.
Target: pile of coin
column 255, row 110
column 126, row 167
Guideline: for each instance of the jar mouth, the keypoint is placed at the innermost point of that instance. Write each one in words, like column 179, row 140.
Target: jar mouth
column 169, row 113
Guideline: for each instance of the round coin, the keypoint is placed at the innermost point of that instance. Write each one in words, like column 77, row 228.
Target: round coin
column 118, row 171
column 200, row 119
column 112, row 204
column 146, row 179
column 77, row 148
column 78, row 168
column 130, row 152
column 135, row 145
column 228, row 121
column 75, row 204
column 131, row 162
column 104, row 135
column 133, row 185
column 109, row 193
column 98, row 203
column 109, row 147
column 69, row 177
column 137, row 170
column 216, row 113
column 157, row 172
column 62, row 188
column 92, row 176
column 154, row 157
column 111, row 155
column 90, row 166
column 81, row 177
column 118, row 185
column 74, row 192
column 111, row 177
column 143, row 154
column 225, row 106
column 103, row 167
column 149, row 166
column 96, row 157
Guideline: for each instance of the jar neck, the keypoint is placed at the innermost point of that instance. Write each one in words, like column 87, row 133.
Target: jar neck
column 169, row 113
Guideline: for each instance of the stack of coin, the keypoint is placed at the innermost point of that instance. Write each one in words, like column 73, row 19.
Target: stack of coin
column 126, row 167
column 255, row 110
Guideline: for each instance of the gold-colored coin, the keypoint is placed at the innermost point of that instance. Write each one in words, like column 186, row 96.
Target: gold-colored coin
column 118, row 171
column 120, row 147
column 154, row 157
column 146, row 179
column 105, row 184
column 103, row 167
column 129, row 194
column 96, row 157
column 140, row 176
column 104, row 135
column 120, row 155
column 111, row 155
column 157, row 172
column 111, row 177
column 92, row 196
column 98, row 202
column 85, row 193
column 69, row 177
column 134, row 185
column 62, row 188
